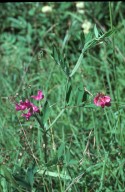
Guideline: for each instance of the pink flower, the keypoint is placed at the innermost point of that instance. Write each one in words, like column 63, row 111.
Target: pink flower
column 39, row 95
column 27, row 115
column 22, row 105
column 27, row 105
column 18, row 107
column 102, row 100
column 34, row 108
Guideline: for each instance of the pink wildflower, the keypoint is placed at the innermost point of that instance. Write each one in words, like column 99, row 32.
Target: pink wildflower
column 18, row 107
column 34, row 108
column 102, row 100
column 27, row 115
column 39, row 95
column 22, row 105
column 27, row 105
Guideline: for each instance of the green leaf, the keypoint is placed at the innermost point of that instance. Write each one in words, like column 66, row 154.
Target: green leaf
column 53, row 161
column 90, row 44
column 109, row 33
column 96, row 31
column 61, row 150
column 77, row 65
column 88, row 37
column 54, row 174
column 59, row 60
column 68, row 93
column 67, row 156
column 61, row 112
column 84, row 98
column 46, row 112
column 79, row 97
column 91, row 106
column 21, row 181
column 82, row 39
column 30, row 175
column 1, row 188
column 56, row 55
column 9, row 177
column 73, row 162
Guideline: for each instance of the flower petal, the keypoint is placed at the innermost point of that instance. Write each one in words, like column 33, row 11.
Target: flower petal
column 35, row 108
column 107, row 99
column 21, row 106
column 102, row 100
column 39, row 95
column 17, row 107
column 27, row 115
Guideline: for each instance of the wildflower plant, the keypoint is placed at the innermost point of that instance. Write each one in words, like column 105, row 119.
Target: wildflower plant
column 30, row 109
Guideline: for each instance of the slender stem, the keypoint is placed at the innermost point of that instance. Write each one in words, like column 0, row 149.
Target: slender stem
column 44, row 137
column 113, row 43
column 116, row 77
column 35, row 158
column 54, row 149
column 114, row 63
column 40, row 123
column 45, row 145
column 67, row 83
column 110, row 12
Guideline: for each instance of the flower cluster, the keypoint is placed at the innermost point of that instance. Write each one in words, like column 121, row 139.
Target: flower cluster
column 80, row 7
column 46, row 9
column 27, row 105
column 102, row 100
column 86, row 26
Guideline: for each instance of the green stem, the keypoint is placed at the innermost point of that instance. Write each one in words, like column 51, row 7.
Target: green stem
column 67, row 84
column 40, row 123
column 44, row 137
column 110, row 12
column 111, row 23
column 113, row 43
column 45, row 145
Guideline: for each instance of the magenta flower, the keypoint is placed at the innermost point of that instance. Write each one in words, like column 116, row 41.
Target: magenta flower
column 22, row 105
column 102, row 100
column 18, row 107
column 39, row 95
column 32, row 109
column 28, row 106
column 27, row 115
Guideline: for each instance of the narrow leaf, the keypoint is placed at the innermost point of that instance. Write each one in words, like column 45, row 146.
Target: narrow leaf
column 84, row 98
column 82, row 39
column 30, row 176
column 9, row 177
column 96, row 31
column 54, row 174
column 46, row 111
column 68, row 93
column 60, row 150
column 77, row 65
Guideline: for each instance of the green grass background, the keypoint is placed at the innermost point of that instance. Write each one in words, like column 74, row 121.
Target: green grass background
column 86, row 145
